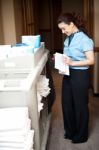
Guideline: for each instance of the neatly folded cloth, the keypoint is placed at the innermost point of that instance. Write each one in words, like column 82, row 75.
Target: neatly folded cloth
column 6, row 148
column 27, row 144
column 18, row 132
column 13, row 118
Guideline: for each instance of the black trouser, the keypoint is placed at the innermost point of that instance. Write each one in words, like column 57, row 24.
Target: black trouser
column 75, row 103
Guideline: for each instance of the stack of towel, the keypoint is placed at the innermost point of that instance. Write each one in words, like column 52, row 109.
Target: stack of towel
column 42, row 90
column 15, row 129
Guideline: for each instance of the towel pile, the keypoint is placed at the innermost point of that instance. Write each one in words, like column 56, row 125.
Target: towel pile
column 42, row 90
column 15, row 129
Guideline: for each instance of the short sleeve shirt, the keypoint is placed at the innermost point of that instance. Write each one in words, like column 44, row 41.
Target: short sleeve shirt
column 76, row 49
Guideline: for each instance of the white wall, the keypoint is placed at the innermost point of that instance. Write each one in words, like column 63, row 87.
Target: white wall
column 1, row 28
column 11, row 19
column 8, row 21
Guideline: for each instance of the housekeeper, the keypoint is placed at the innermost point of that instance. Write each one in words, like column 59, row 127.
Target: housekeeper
column 78, row 48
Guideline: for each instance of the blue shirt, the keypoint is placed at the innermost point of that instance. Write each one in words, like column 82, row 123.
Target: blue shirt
column 76, row 49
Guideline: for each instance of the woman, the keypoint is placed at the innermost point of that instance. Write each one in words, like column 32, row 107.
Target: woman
column 78, row 48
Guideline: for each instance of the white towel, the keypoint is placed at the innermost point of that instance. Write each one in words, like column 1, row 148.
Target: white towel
column 40, row 106
column 43, row 86
column 23, row 131
column 42, row 90
column 6, row 148
column 27, row 144
column 14, row 111
column 63, row 68
column 13, row 118
column 4, row 50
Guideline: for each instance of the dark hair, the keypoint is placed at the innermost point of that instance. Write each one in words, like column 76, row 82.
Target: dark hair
column 75, row 18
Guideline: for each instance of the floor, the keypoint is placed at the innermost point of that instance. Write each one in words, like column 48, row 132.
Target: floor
column 56, row 140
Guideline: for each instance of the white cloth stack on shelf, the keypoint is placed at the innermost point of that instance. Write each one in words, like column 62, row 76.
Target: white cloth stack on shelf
column 4, row 50
column 15, row 129
column 42, row 90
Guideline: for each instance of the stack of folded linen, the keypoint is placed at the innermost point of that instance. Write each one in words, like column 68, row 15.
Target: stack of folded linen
column 15, row 129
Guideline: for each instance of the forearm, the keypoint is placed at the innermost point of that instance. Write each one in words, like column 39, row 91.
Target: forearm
column 86, row 62
column 81, row 63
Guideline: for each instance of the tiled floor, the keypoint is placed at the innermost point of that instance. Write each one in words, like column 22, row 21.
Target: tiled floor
column 56, row 140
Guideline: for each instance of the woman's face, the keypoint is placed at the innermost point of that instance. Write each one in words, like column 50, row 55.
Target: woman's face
column 66, row 29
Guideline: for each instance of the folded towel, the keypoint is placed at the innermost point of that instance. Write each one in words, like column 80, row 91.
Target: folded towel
column 13, row 118
column 13, row 112
column 4, row 49
column 27, row 144
column 43, row 86
column 23, row 131
column 6, row 148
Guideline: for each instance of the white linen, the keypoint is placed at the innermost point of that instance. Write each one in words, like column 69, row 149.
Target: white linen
column 16, row 135
column 40, row 106
column 15, row 129
column 63, row 69
column 4, row 50
column 43, row 86
column 42, row 90
column 13, row 118
column 27, row 143
column 6, row 148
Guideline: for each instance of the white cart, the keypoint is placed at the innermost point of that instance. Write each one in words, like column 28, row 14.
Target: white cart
column 18, row 87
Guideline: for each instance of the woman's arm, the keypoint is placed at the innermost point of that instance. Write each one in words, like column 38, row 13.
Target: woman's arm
column 88, row 61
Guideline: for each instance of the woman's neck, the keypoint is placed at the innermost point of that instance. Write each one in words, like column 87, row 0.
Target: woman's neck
column 75, row 29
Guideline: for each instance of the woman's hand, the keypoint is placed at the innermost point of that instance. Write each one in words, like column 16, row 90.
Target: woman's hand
column 66, row 60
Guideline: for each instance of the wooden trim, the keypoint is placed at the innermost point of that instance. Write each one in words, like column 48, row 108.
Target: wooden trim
column 45, row 30
column 28, row 17
column 96, row 49
column 89, row 16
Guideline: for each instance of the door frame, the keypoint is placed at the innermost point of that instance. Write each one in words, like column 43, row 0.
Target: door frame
column 89, row 16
